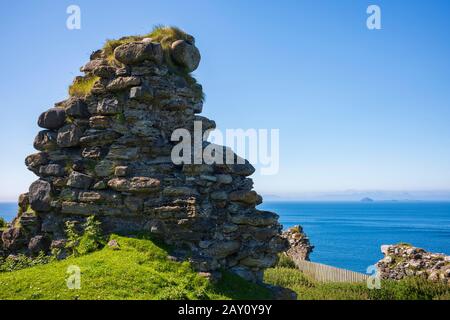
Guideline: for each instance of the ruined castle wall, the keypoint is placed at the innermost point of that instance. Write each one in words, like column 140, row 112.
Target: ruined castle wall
column 107, row 153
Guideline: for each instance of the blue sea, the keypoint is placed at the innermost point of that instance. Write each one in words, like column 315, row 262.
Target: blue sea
column 349, row 234
column 8, row 210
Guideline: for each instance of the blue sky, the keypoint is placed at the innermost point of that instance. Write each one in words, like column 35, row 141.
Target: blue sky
column 356, row 109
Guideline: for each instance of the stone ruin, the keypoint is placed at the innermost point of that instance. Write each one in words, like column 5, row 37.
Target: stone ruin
column 403, row 260
column 107, row 152
column 299, row 245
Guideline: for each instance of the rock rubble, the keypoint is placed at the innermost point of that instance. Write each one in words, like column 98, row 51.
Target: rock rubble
column 404, row 260
column 299, row 244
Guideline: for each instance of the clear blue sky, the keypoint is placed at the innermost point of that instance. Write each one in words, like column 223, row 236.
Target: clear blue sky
column 356, row 109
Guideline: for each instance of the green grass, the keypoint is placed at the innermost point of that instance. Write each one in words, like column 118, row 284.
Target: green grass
column 22, row 261
column 82, row 85
column 308, row 289
column 139, row 270
column 285, row 262
column 3, row 224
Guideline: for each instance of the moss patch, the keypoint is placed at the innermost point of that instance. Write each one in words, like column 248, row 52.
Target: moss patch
column 120, row 118
column 82, row 85
column 3, row 224
column 30, row 210
column 405, row 244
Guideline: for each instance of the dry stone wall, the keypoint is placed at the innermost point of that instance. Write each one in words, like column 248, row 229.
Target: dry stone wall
column 107, row 153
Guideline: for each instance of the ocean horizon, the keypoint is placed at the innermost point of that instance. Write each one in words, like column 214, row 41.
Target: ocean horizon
column 349, row 234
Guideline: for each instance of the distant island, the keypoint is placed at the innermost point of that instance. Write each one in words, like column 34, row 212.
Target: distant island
column 367, row 200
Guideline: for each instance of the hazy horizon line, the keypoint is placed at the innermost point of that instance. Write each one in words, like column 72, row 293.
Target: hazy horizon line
column 344, row 195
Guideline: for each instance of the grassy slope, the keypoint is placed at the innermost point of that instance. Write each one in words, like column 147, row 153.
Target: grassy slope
column 139, row 270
